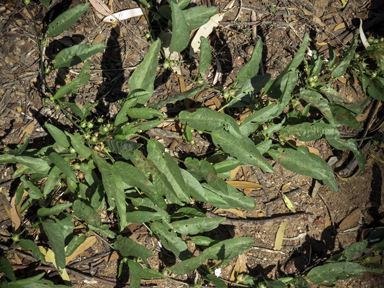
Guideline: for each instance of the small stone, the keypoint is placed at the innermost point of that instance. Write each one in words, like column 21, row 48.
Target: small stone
column 249, row 50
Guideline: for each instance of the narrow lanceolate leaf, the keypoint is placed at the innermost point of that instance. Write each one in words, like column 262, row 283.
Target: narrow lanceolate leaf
column 35, row 164
column 205, row 119
column 343, row 64
column 313, row 166
column 42, row 212
column 198, row 16
column 86, row 213
column 65, row 20
column 273, row 87
column 114, row 187
column 33, row 192
column 180, row 30
column 350, row 144
column 118, row 146
column 335, row 98
column 7, row 269
column 73, row 86
column 251, row 69
column 195, row 226
column 345, row 116
column 318, row 101
column 62, row 164
column 170, row 240
column 169, row 167
column 58, row 135
column 242, row 148
column 134, row 274
column 20, row 148
column 288, row 203
column 27, row 244
column 57, row 241
column 143, row 77
column 77, row 142
column 177, row 97
column 310, row 131
column 127, row 247
column 375, row 88
column 219, row 283
column 280, row 236
column 205, row 55
column 144, row 113
column 76, row 54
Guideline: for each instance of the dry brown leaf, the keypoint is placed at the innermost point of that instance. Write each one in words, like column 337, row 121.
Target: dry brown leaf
column 240, row 267
column 123, row 15
column 247, row 191
column 298, row 143
column 244, row 184
column 217, row 102
column 83, row 246
column 50, row 257
column 98, row 39
column 321, row 43
column 15, row 215
column 234, row 172
column 338, row 27
column 229, row 5
column 317, row 21
column 233, row 211
column 285, row 187
column 29, row 129
column 280, row 236
column 100, row 7
column 351, row 220
column 294, row 18
column 327, row 221
column 306, row 12
column 342, row 80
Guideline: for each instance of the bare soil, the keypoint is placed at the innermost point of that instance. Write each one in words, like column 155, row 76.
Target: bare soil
column 307, row 241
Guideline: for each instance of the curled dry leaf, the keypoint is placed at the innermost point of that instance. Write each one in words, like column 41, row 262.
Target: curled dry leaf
column 240, row 267
column 338, row 27
column 123, row 15
column 50, row 257
column 351, row 220
column 82, row 247
column 100, row 7
column 244, row 184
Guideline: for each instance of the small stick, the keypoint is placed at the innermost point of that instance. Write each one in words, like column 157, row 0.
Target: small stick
column 266, row 250
column 263, row 222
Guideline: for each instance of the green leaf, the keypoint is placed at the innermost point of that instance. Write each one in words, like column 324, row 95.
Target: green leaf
column 75, row 242
column 114, row 187
column 198, row 192
column 272, row 89
column 177, row 97
column 136, row 178
column 250, row 69
column 246, row 152
column 55, row 236
column 19, row 193
column 6, row 268
column 327, row 275
column 195, row 226
column 351, row 144
column 205, row 119
column 316, row 100
column 58, row 135
column 332, row 56
column 345, row 116
column 20, row 148
column 187, row 212
column 310, row 131
column 76, row 109
column 121, row 117
column 76, row 54
column 66, row 20
column 183, row 3
column 203, row 241
column 313, row 166
column 143, row 77
column 164, row 187
column 45, row 3
column 118, row 146
column 77, row 142
column 62, row 164
column 349, row 252
column 376, row 88
column 33, row 192
column 180, row 29
column 226, row 166
column 219, row 283
column 144, row 113
column 43, row 212
column 73, row 86
column 170, row 240
column 196, row 17
column 140, row 216
column 169, row 167
column 205, row 55
column 134, row 274
column 87, row 213
column 127, row 247
column 343, row 64
column 27, row 244
column 35, row 164
column 28, row 282
column 202, row 169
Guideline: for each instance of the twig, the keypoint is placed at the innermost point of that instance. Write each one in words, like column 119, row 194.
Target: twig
column 263, row 222
column 265, row 190
column 329, row 212
column 91, row 259
column 267, row 250
column 288, row 194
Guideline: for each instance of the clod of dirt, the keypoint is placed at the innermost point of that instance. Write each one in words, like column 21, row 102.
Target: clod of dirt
column 295, row 265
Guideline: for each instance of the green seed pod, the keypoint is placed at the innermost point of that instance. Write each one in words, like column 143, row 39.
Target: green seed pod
column 232, row 92
column 94, row 139
column 147, row 35
column 72, row 151
column 90, row 125
column 83, row 124
column 57, row 107
column 226, row 94
column 200, row 81
column 166, row 65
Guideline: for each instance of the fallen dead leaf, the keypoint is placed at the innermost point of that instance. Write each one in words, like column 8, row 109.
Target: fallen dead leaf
column 83, row 246
column 240, row 267
column 100, row 7
column 342, row 80
column 247, row 191
column 285, row 187
column 351, row 220
column 233, row 211
column 98, row 39
column 50, row 257
column 16, row 214
column 234, row 172
column 244, row 184
column 338, row 27
column 29, row 129
column 280, row 236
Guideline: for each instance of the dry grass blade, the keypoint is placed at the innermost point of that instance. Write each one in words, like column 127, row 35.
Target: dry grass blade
column 280, row 236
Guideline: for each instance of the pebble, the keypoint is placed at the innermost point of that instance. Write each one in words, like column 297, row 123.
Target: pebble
column 249, row 50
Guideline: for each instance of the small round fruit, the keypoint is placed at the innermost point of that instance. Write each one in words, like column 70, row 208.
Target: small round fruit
column 15, row 237
column 72, row 151
column 200, row 81
column 76, row 166
column 90, row 125
column 46, row 71
column 166, row 65
column 94, row 139
column 226, row 94
column 57, row 107
column 232, row 92
column 147, row 35
column 357, row 55
column 83, row 124
column 374, row 74
column 100, row 120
